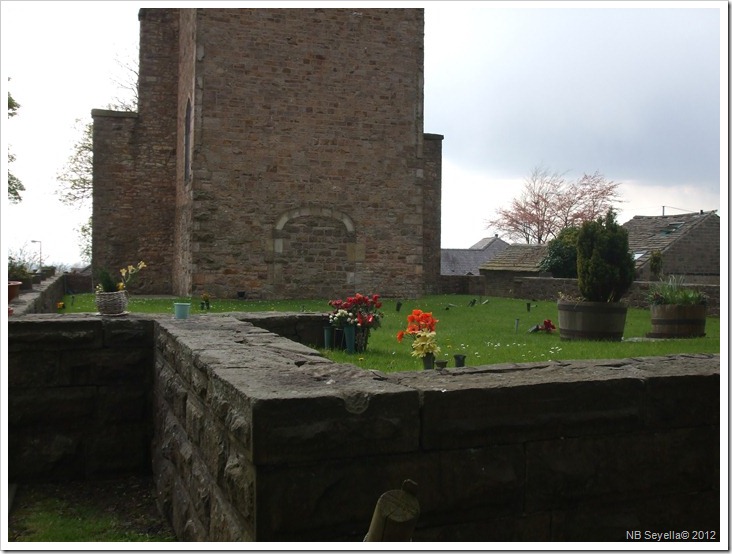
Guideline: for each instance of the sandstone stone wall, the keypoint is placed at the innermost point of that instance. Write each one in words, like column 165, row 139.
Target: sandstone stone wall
column 259, row 438
column 638, row 295
column 113, row 218
column 285, row 446
column 42, row 297
column 695, row 254
column 188, row 124
column 308, row 112
column 432, row 224
column 277, row 152
column 508, row 284
column 135, row 162
column 512, row 284
column 80, row 397
column 462, row 284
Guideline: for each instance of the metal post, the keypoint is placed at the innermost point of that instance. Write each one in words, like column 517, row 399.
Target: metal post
column 40, row 255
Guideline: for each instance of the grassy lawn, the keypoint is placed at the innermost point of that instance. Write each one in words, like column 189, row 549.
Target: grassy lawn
column 118, row 510
column 485, row 332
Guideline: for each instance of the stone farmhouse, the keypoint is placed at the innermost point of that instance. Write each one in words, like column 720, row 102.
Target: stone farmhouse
column 275, row 153
column 467, row 261
column 689, row 245
column 514, row 262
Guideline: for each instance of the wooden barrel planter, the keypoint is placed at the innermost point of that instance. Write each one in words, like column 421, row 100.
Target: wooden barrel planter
column 591, row 320
column 673, row 321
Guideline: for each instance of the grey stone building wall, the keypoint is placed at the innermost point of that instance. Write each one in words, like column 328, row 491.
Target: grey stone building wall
column 696, row 253
column 433, row 212
column 278, row 152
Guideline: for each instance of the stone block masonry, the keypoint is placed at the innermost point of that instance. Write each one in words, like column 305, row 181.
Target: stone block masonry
column 259, row 438
column 507, row 284
column 278, row 152
column 80, row 404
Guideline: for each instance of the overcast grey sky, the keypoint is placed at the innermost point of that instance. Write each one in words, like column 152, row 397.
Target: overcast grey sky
column 631, row 92
column 575, row 87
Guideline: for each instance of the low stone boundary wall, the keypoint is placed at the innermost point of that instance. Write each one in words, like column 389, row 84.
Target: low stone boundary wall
column 462, row 284
column 257, row 437
column 304, row 327
column 549, row 288
column 42, row 298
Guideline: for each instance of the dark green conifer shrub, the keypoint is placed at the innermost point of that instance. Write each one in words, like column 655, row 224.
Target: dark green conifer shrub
column 605, row 266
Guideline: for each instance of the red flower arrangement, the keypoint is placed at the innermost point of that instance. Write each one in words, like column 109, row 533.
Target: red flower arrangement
column 362, row 310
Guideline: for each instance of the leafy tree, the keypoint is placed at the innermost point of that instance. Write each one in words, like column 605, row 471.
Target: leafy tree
column 76, row 176
column 85, row 236
column 550, row 203
column 76, row 183
column 561, row 256
column 13, row 106
column 15, row 186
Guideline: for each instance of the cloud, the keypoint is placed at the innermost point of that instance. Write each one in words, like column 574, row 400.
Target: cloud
column 644, row 199
column 469, row 200
column 633, row 93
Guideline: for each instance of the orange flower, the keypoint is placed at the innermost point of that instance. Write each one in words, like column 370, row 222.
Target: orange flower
column 419, row 321
column 421, row 326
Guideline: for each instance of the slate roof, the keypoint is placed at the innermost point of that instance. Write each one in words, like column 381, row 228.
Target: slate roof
column 467, row 261
column 647, row 233
column 517, row 257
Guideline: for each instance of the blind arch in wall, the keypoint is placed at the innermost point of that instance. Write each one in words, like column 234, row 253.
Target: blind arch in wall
column 313, row 253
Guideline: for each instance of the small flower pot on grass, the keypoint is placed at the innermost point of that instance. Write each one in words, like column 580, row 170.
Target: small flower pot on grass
column 182, row 310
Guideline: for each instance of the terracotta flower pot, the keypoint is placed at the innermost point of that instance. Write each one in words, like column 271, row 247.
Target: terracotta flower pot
column 13, row 289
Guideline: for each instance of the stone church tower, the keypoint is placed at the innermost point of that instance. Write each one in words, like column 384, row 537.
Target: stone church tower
column 278, row 153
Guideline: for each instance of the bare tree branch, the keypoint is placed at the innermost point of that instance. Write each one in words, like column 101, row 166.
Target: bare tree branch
column 127, row 85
